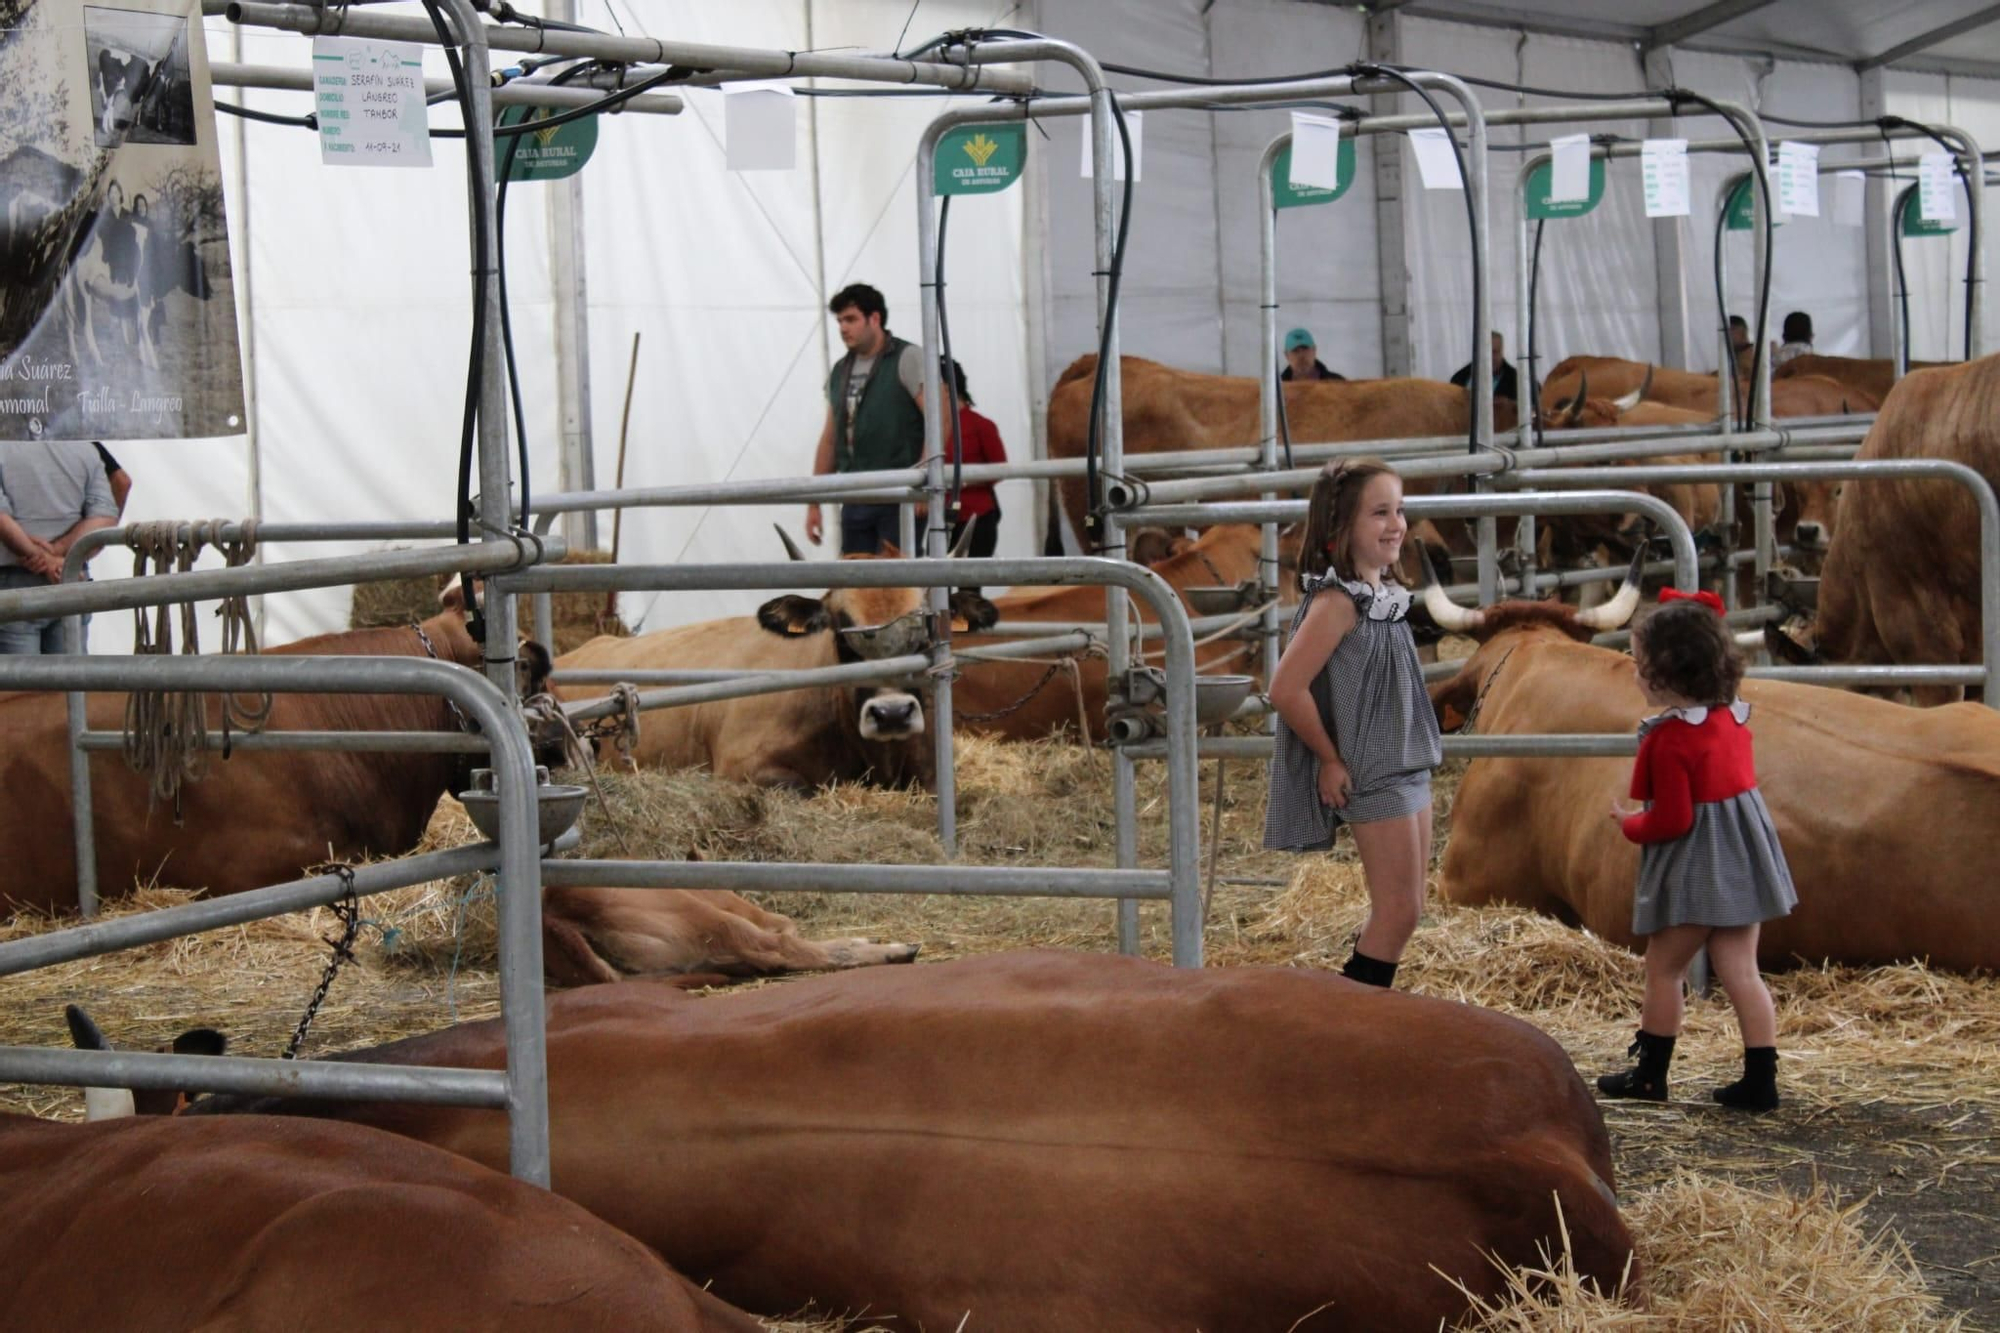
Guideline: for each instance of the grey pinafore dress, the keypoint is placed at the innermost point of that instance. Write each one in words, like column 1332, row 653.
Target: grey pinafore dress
column 1727, row 870
column 1373, row 703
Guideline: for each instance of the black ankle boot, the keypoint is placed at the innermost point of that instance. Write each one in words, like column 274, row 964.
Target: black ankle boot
column 1757, row 1090
column 1369, row 971
column 1646, row 1081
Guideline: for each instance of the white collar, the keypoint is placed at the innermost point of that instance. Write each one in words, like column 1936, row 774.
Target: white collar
column 1696, row 715
column 1391, row 603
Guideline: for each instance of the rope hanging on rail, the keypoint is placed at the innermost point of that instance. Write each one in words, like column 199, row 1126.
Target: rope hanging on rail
column 166, row 731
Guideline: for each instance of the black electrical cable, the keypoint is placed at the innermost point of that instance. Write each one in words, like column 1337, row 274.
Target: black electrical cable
column 1732, row 369
column 1534, row 404
column 1902, row 279
column 1092, row 481
column 673, row 73
column 1471, row 224
column 307, row 121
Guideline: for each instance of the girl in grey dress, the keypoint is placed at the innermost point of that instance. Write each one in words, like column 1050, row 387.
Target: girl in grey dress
column 1356, row 735
column 1710, row 867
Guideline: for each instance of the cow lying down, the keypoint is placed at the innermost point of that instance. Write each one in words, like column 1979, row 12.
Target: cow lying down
column 161, row 1226
column 700, row 935
column 1058, row 1141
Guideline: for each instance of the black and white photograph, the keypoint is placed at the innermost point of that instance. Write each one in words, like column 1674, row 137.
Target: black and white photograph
column 140, row 87
column 119, row 320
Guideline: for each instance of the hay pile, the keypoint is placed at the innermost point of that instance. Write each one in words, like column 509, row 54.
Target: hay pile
column 1717, row 1256
column 579, row 616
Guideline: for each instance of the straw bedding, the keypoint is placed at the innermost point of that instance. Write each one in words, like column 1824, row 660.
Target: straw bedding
column 579, row 616
column 1858, row 1206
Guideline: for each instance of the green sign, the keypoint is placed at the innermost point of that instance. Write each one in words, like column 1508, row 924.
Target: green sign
column 980, row 159
column 549, row 154
column 1542, row 181
column 1916, row 224
column 1284, row 194
column 1741, row 214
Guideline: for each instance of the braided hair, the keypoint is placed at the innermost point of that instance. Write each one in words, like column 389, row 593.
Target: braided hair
column 1336, row 496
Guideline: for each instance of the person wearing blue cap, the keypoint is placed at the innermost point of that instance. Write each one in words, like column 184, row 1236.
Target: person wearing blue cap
column 1302, row 359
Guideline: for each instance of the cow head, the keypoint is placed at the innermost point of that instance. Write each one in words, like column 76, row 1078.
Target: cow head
column 112, row 1103
column 446, row 631
column 1596, row 413
column 1499, row 628
column 870, row 624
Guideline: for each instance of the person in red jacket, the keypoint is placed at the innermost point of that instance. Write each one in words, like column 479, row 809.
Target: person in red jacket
column 979, row 442
column 1710, row 867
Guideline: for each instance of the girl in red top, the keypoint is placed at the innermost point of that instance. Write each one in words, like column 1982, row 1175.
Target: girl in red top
column 1710, row 867
column 979, row 442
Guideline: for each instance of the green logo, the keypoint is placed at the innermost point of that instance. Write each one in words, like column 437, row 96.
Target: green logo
column 547, row 154
column 1915, row 224
column 1284, row 194
column 980, row 159
column 1741, row 214
column 1541, row 182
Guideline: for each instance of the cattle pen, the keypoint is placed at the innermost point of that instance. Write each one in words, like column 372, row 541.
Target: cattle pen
column 951, row 873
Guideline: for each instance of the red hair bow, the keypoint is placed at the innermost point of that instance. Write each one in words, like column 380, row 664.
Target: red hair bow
column 1706, row 598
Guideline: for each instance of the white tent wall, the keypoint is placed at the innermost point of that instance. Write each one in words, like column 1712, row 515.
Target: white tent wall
column 1597, row 285
column 1935, row 269
column 1327, row 276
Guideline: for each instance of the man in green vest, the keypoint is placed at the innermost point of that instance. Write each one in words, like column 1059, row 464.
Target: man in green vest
column 874, row 415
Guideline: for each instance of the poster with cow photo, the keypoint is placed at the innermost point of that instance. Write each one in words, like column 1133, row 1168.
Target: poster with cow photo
column 117, row 307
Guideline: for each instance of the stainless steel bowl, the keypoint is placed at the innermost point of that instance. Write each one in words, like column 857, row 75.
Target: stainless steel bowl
column 559, row 806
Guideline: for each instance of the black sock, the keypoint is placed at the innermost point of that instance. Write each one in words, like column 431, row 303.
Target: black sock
column 1369, row 971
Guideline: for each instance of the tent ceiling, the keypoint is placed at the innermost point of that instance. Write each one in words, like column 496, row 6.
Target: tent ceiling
column 1953, row 36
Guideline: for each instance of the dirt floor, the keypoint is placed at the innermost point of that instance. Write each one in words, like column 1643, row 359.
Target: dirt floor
column 1889, row 1074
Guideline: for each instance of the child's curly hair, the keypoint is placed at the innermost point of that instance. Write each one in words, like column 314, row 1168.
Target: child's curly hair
column 1687, row 650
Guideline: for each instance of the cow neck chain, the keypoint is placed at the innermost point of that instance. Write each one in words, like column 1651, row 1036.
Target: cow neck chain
column 430, row 651
column 1479, row 700
column 346, row 910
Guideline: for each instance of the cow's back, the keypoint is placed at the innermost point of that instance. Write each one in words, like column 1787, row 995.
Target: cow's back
column 1335, row 1143
column 227, row 1224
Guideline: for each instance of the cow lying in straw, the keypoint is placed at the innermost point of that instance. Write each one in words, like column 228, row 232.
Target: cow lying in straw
column 1059, row 1141
column 161, row 1226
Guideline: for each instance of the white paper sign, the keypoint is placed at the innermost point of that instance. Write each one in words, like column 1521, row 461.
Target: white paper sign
column 369, row 97
column 1569, row 173
column 1664, row 163
column 1315, row 150
column 760, row 128
column 1937, row 196
column 1798, row 179
column 1135, row 125
column 1850, row 196
column 1436, row 162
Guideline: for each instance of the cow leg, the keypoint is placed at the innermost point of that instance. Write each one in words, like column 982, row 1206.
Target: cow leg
column 739, row 943
column 1919, row 625
column 567, row 958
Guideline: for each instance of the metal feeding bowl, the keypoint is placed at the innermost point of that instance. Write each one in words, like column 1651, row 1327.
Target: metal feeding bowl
column 1220, row 601
column 558, row 805
column 1216, row 698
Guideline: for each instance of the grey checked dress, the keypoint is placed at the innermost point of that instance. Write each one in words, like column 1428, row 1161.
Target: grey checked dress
column 1372, row 700
column 1728, row 868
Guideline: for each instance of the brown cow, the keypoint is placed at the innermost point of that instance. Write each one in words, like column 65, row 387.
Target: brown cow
column 256, row 818
column 1024, row 1143
column 1884, row 811
column 1901, row 581
column 1611, row 377
column 592, row 935
column 1871, row 376
column 311, row 1226
column 985, row 695
column 1170, row 410
column 802, row 738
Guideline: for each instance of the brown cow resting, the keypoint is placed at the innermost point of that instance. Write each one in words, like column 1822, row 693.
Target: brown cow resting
column 1872, row 376
column 1900, row 584
column 593, row 935
column 256, row 818
column 1022, row 1138
column 803, row 738
column 1798, row 395
column 1885, row 812
column 254, row 1224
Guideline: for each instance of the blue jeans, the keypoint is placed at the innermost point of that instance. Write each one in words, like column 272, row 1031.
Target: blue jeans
column 865, row 529
column 32, row 637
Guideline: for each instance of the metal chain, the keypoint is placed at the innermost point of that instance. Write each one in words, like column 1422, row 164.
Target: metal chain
column 1479, row 700
column 346, row 910
column 430, row 651
column 1019, row 703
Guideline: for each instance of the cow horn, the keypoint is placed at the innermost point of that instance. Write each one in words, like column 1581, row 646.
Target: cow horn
column 791, row 547
column 1575, row 412
column 1449, row 615
column 1614, row 613
column 1633, row 399
column 1750, row 638
column 964, row 543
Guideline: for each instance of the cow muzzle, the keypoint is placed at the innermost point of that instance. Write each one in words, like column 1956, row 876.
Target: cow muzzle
column 901, row 637
column 892, row 715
